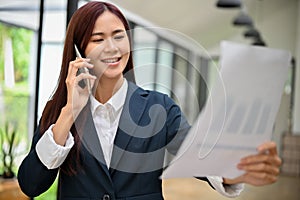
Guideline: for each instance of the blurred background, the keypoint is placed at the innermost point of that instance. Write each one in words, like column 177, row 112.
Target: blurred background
column 168, row 36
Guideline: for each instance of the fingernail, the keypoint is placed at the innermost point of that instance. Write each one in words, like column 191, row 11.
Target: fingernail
column 239, row 166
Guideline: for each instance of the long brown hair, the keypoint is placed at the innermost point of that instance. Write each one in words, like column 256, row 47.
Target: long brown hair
column 79, row 32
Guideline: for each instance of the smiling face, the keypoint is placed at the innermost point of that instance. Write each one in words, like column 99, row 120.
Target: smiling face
column 108, row 47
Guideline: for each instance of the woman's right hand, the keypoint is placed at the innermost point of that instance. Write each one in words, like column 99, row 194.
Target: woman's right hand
column 76, row 100
column 78, row 96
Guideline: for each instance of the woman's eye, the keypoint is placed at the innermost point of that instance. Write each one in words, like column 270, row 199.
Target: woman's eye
column 119, row 37
column 97, row 40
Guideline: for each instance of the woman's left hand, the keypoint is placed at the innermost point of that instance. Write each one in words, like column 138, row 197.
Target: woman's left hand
column 260, row 169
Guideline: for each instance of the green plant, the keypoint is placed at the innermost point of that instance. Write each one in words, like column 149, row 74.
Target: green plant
column 21, row 41
column 8, row 143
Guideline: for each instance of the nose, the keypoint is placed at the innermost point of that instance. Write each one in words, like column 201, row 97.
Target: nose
column 110, row 46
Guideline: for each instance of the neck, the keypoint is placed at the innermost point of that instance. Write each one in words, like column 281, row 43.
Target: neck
column 107, row 88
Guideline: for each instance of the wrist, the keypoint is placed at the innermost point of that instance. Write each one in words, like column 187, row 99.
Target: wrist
column 228, row 181
column 63, row 125
column 72, row 110
column 67, row 114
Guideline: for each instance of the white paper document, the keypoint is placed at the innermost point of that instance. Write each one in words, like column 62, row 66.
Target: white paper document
column 239, row 114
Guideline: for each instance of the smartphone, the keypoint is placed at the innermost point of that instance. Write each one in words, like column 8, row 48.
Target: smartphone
column 82, row 70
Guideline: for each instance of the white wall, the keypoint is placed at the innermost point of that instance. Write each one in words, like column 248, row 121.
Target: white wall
column 276, row 20
column 296, row 122
column 279, row 24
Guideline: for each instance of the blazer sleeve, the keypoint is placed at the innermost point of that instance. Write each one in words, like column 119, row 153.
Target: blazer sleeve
column 34, row 178
column 178, row 127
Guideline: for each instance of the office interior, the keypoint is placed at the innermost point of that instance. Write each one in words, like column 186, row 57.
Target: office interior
column 176, row 49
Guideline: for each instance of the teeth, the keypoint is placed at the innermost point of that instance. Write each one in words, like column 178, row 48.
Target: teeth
column 111, row 60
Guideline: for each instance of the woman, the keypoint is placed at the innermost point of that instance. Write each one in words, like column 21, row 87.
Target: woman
column 108, row 143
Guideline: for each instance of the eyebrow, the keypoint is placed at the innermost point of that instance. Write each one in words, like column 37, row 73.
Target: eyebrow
column 113, row 33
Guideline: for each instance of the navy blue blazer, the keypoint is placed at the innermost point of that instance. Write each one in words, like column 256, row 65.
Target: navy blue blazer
column 150, row 123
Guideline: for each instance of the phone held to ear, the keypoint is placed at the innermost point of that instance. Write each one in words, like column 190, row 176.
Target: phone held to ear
column 85, row 82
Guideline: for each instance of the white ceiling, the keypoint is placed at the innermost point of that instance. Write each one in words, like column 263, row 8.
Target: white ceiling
column 199, row 19
column 25, row 13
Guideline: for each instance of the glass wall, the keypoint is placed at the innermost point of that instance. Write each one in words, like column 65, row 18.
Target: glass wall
column 54, row 28
column 15, row 65
column 164, row 67
column 144, row 55
column 19, row 71
column 167, row 66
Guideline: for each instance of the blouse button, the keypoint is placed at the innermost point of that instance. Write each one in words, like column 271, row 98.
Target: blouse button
column 106, row 197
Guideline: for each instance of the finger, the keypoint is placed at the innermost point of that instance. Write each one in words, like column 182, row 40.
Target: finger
column 85, row 76
column 261, row 158
column 257, row 178
column 260, row 167
column 78, row 63
column 86, row 63
column 83, row 59
column 83, row 68
column 252, row 159
column 269, row 147
column 73, row 67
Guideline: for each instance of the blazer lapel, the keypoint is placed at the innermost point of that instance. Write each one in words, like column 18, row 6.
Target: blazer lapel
column 89, row 137
column 133, row 109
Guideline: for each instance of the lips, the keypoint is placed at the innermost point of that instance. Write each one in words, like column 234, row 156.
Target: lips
column 111, row 60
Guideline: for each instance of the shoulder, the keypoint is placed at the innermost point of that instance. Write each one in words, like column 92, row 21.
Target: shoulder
column 149, row 95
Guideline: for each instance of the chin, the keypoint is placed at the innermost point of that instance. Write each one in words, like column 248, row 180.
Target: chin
column 113, row 74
